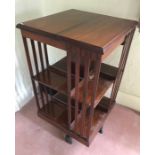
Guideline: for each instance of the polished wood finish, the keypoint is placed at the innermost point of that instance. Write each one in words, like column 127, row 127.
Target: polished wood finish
column 103, row 86
column 92, row 30
column 31, row 71
column 41, row 55
column 52, row 80
column 46, row 55
column 35, row 56
column 70, row 94
column 122, row 64
column 107, row 72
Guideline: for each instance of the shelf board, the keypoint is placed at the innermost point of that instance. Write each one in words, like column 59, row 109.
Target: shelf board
column 54, row 80
column 61, row 66
column 105, row 105
column 98, row 119
column 55, row 112
column 103, row 86
column 105, row 102
column 107, row 71
column 63, row 99
column 107, row 76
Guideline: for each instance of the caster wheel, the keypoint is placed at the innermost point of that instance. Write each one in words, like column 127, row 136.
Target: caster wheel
column 68, row 139
column 101, row 131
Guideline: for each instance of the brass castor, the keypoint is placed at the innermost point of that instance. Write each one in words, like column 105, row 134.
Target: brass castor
column 68, row 139
column 101, row 131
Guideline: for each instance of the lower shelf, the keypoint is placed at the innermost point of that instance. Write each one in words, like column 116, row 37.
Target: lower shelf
column 103, row 86
column 56, row 113
column 58, row 82
column 98, row 120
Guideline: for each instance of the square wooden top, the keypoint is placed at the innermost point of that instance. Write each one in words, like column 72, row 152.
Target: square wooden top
column 92, row 29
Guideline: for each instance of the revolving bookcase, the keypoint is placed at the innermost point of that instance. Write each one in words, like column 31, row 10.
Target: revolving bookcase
column 70, row 94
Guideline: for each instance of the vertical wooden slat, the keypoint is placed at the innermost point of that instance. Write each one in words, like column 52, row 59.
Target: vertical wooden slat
column 51, row 105
column 123, row 55
column 122, row 65
column 31, row 71
column 28, row 56
column 46, row 55
column 69, row 87
column 85, row 93
column 129, row 40
column 115, row 85
column 34, row 56
column 95, row 85
column 41, row 95
column 77, row 75
column 41, row 55
column 46, row 96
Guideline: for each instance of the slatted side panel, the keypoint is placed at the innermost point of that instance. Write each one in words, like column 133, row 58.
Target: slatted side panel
column 41, row 55
column 77, row 80
column 37, row 59
column 86, row 57
column 82, row 115
column 69, row 87
column 122, row 64
column 27, row 52
column 96, row 71
column 46, row 55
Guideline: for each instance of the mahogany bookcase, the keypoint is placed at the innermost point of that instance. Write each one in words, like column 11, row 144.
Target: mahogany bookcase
column 70, row 94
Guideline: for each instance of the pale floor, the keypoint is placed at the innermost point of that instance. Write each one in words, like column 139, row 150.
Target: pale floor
column 34, row 136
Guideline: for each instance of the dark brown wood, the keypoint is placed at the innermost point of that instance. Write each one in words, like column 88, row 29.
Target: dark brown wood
column 105, row 105
column 122, row 64
column 108, row 72
column 31, row 71
column 34, row 56
column 28, row 56
column 109, row 49
column 97, row 122
column 95, row 85
column 85, row 92
column 41, row 55
column 69, row 87
column 77, row 78
column 46, row 55
column 128, row 44
column 72, row 91
column 78, row 27
column 41, row 95
column 52, row 80
column 102, row 87
column 47, row 99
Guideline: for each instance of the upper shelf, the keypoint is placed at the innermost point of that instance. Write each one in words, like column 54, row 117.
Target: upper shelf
column 52, row 80
column 103, row 86
column 95, row 31
column 107, row 71
column 97, row 122
column 55, row 78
